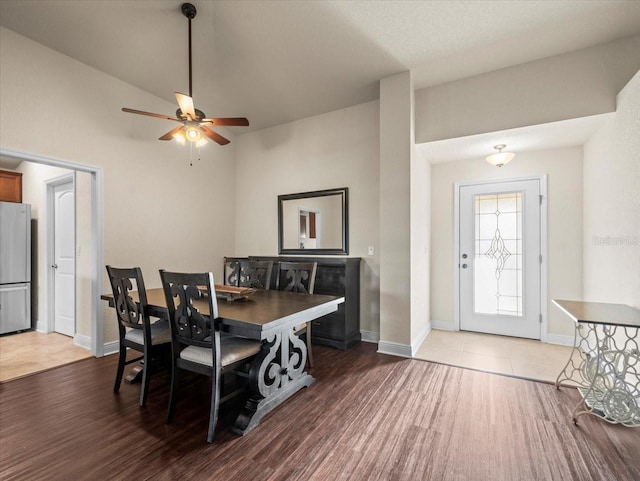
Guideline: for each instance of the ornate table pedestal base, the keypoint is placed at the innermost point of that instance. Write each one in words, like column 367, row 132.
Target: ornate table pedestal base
column 276, row 374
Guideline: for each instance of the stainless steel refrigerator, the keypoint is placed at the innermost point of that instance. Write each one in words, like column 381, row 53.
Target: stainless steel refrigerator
column 15, row 267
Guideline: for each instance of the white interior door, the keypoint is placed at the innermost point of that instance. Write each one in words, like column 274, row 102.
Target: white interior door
column 500, row 259
column 64, row 259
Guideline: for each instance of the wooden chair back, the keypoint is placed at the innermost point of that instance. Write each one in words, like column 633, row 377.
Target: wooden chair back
column 188, row 324
column 255, row 274
column 296, row 276
column 232, row 270
column 130, row 313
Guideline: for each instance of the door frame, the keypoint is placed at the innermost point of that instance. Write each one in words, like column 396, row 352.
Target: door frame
column 543, row 247
column 97, row 227
column 50, row 184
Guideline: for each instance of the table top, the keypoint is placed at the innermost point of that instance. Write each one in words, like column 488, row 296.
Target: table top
column 600, row 313
column 264, row 311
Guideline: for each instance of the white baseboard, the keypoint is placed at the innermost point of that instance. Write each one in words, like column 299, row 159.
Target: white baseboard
column 443, row 325
column 560, row 339
column 111, row 348
column 40, row 326
column 417, row 342
column 370, row 336
column 394, row 349
column 83, row 341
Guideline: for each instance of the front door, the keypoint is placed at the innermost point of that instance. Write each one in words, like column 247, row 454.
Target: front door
column 500, row 259
column 64, row 259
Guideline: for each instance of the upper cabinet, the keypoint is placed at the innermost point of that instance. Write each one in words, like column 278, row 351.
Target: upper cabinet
column 10, row 186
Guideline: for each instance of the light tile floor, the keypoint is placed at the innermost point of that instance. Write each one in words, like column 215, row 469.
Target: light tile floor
column 499, row 354
column 29, row 352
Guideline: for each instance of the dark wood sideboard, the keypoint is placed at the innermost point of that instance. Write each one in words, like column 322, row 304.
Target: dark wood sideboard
column 336, row 276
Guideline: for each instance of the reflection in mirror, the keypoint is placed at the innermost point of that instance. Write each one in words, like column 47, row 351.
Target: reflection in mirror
column 313, row 222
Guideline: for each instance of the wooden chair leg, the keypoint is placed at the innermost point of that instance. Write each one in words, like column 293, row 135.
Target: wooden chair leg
column 175, row 375
column 146, row 377
column 215, row 403
column 309, row 349
column 122, row 357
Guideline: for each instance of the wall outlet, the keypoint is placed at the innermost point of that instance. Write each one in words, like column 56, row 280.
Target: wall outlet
column 371, row 250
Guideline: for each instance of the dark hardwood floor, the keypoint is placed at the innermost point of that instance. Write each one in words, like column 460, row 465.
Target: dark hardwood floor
column 368, row 417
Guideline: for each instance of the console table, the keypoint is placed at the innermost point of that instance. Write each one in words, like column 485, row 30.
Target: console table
column 336, row 276
column 605, row 361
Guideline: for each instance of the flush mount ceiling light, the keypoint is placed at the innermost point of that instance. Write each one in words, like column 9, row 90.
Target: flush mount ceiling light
column 194, row 127
column 501, row 157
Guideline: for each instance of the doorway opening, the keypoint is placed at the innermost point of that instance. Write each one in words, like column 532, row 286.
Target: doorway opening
column 95, row 340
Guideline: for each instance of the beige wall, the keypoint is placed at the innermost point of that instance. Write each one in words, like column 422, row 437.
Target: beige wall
column 572, row 85
column 158, row 211
column 337, row 149
column 420, row 248
column 564, row 169
column 612, row 205
column 396, row 151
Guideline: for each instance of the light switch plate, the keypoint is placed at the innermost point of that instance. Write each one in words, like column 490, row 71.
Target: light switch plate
column 371, row 250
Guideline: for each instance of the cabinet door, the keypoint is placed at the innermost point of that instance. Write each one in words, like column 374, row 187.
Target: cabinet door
column 10, row 186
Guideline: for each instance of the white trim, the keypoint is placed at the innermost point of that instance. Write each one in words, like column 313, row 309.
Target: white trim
column 544, row 252
column 560, row 339
column 444, row 325
column 50, row 185
column 40, row 327
column 542, row 178
column 83, row 341
column 417, row 342
column 97, row 225
column 109, row 348
column 394, row 349
column 370, row 336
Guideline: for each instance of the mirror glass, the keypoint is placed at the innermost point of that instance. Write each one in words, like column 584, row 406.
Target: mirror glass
column 313, row 222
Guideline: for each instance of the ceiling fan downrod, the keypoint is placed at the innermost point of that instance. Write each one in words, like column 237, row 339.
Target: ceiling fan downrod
column 189, row 11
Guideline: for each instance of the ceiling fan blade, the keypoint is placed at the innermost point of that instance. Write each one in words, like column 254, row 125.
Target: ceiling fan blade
column 149, row 114
column 231, row 121
column 186, row 105
column 216, row 137
column 169, row 135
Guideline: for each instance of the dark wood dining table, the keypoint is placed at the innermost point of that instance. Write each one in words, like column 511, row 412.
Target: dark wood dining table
column 271, row 317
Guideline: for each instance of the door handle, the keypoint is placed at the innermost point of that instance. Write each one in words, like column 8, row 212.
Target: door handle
column 55, row 266
column 464, row 266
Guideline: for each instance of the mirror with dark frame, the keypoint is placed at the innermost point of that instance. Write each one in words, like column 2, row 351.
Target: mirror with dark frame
column 314, row 222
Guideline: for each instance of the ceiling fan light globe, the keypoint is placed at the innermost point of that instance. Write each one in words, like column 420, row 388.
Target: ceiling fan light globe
column 202, row 142
column 193, row 134
column 180, row 138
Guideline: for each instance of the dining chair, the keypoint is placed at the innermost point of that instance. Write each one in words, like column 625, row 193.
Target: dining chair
column 197, row 345
column 134, row 325
column 232, row 270
column 299, row 277
column 255, row 274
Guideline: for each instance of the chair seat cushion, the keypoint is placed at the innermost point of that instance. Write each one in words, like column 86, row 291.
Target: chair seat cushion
column 233, row 349
column 160, row 333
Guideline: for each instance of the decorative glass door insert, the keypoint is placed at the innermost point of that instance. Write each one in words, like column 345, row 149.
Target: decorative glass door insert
column 498, row 254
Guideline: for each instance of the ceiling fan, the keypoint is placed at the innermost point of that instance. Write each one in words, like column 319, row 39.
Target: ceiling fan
column 194, row 126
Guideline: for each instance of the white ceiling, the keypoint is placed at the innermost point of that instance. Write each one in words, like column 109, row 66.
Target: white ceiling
column 278, row 61
column 553, row 135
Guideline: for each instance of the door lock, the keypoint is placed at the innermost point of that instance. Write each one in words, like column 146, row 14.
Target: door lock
column 464, row 256
column 55, row 266
column 464, row 266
